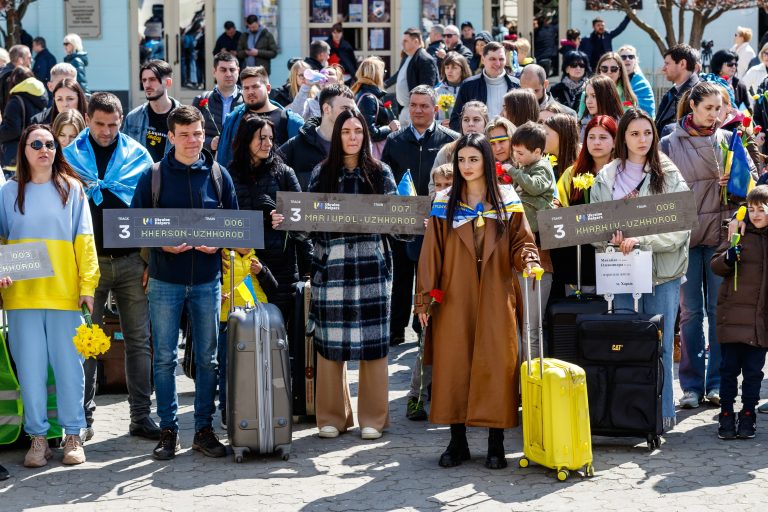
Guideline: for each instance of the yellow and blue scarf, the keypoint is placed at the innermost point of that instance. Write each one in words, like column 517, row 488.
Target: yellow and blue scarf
column 464, row 213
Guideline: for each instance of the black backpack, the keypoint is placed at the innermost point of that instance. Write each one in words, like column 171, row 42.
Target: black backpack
column 157, row 181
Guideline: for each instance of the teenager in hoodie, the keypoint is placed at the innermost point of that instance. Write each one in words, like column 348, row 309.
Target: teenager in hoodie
column 27, row 98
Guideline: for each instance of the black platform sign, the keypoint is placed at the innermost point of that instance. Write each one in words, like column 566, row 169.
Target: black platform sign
column 353, row 213
column 28, row 260
column 596, row 222
column 149, row 227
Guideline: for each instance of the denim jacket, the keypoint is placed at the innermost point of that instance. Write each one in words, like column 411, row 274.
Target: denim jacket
column 136, row 123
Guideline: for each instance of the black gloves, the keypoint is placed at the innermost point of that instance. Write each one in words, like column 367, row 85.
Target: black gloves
column 732, row 255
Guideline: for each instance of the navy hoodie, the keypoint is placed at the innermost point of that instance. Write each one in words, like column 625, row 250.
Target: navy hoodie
column 185, row 186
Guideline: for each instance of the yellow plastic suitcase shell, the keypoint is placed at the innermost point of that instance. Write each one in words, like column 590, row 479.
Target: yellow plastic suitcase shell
column 556, row 430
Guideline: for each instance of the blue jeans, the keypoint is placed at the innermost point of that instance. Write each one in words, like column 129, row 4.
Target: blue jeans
column 663, row 301
column 222, row 358
column 39, row 337
column 695, row 374
column 203, row 305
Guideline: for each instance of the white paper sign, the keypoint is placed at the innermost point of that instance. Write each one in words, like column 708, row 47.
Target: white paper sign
column 617, row 273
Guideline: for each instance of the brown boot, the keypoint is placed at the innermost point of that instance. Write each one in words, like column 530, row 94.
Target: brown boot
column 73, row 450
column 38, row 454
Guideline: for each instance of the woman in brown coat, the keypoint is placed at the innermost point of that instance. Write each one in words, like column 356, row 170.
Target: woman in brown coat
column 472, row 254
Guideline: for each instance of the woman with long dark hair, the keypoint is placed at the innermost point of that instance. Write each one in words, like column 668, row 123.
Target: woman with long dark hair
column 601, row 98
column 67, row 95
column 351, row 290
column 476, row 230
column 641, row 170
column 520, row 106
column 45, row 202
column 562, row 141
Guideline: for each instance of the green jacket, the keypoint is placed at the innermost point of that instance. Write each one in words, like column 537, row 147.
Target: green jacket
column 670, row 250
column 535, row 185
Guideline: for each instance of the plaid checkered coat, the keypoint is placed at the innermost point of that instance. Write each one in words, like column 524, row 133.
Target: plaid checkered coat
column 351, row 287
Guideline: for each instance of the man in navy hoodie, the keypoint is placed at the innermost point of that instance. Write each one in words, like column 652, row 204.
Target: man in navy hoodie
column 186, row 277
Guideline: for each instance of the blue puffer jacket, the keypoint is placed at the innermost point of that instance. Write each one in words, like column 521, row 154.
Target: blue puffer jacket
column 642, row 89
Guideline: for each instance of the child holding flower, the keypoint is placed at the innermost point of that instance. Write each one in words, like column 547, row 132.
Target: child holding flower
column 46, row 203
column 741, row 323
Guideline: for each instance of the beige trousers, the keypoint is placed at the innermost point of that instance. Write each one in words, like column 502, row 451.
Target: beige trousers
column 332, row 404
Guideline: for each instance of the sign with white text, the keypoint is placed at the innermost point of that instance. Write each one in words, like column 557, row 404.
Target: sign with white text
column 617, row 273
column 28, row 260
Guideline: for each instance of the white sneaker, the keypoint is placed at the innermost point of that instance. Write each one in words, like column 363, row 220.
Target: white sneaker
column 690, row 400
column 713, row 397
column 328, row 432
column 369, row 433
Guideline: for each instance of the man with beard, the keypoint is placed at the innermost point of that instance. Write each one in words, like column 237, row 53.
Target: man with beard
column 147, row 124
column 255, row 86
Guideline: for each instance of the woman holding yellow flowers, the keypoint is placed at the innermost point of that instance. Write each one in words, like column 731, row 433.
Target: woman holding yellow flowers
column 45, row 202
column 573, row 189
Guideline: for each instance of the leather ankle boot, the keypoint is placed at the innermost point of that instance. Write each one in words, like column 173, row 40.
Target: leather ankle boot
column 495, row 458
column 458, row 449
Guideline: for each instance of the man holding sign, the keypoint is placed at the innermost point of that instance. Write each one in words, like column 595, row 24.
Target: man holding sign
column 109, row 163
column 185, row 277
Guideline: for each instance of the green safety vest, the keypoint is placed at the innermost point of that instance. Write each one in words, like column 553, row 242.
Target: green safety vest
column 11, row 408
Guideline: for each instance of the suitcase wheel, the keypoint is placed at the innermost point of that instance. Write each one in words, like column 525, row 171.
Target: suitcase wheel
column 654, row 442
column 562, row 474
column 286, row 456
column 238, row 458
column 589, row 470
column 524, row 463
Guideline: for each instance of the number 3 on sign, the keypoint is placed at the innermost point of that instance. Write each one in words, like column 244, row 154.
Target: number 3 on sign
column 124, row 233
column 295, row 214
column 559, row 232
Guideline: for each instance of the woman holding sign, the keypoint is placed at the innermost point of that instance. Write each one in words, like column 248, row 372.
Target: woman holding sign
column 641, row 170
column 46, row 203
column 477, row 240
column 351, row 289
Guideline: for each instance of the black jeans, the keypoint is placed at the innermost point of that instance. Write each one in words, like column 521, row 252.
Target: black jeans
column 747, row 360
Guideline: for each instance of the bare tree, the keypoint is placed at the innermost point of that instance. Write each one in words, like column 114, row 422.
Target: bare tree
column 699, row 13
column 13, row 11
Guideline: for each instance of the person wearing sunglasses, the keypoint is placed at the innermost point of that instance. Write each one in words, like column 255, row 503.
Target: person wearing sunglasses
column 743, row 49
column 571, row 86
column 46, row 203
column 724, row 64
column 610, row 65
column 453, row 43
column 640, row 85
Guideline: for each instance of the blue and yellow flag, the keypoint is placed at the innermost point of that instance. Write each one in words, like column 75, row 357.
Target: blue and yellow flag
column 464, row 213
column 406, row 186
column 737, row 168
column 246, row 290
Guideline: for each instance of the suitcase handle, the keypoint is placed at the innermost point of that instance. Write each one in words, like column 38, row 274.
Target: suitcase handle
column 538, row 272
column 231, row 280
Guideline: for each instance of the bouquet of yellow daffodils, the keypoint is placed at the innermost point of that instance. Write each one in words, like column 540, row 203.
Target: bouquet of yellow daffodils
column 445, row 102
column 90, row 340
column 584, row 182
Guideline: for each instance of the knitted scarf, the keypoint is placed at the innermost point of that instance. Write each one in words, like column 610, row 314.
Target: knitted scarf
column 696, row 131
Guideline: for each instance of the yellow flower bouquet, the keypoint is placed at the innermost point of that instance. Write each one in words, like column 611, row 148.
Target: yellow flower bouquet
column 445, row 103
column 584, row 182
column 90, row 340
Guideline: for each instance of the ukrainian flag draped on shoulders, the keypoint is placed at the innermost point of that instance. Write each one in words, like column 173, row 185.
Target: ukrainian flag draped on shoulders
column 510, row 203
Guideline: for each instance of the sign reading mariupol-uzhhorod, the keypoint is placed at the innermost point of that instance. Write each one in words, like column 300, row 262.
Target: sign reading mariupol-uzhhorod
column 28, row 260
column 353, row 213
column 150, row 227
column 596, row 222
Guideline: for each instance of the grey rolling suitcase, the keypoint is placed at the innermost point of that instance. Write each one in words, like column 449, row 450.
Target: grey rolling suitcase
column 259, row 416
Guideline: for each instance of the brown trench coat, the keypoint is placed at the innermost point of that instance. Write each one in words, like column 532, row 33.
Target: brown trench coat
column 472, row 336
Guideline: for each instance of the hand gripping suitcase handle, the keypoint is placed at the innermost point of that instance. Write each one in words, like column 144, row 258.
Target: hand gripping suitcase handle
column 538, row 272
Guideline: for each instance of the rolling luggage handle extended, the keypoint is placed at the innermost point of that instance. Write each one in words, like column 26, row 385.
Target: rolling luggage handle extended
column 538, row 272
column 635, row 295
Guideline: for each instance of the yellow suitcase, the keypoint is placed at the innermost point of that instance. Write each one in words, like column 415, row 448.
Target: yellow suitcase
column 556, row 430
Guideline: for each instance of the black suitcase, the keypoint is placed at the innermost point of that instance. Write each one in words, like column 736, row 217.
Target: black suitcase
column 303, row 356
column 621, row 355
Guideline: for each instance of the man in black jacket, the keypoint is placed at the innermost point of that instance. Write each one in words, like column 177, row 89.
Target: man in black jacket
column 44, row 60
column 490, row 86
column 412, row 148
column 310, row 147
column 319, row 51
column 435, row 40
column 453, row 43
column 225, row 96
column 227, row 41
column 679, row 68
column 534, row 78
column 417, row 68
column 599, row 41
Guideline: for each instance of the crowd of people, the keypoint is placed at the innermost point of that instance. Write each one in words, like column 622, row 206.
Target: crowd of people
column 481, row 131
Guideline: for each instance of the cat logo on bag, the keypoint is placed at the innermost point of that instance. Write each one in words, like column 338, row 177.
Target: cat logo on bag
column 617, row 348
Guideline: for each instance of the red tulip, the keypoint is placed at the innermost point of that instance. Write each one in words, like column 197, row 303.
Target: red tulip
column 506, row 179
column 437, row 295
column 627, row 103
column 388, row 104
column 499, row 169
column 758, row 129
column 747, row 121
column 204, row 103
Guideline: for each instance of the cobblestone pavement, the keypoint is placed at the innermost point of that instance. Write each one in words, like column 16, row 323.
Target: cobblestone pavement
column 693, row 470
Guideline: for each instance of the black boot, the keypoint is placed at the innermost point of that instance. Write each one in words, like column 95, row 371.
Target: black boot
column 458, row 449
column 495, row 458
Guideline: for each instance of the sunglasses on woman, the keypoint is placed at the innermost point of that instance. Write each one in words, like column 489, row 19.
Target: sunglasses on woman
column 606, row 69
column 627, row 57
column 37, row 145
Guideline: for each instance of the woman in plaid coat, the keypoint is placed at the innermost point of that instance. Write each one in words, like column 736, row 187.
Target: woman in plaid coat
column 351, row 290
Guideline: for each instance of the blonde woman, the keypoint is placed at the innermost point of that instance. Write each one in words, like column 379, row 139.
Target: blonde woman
column 309, row 107
column 743, row 49
column 76, row 56
column 640, row 85
column 756, row 74
column 369, row 92
column 67, row 126
column 298, row 87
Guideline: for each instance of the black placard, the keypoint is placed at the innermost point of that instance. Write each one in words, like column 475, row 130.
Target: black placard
column 353, row 213
column 158, row 227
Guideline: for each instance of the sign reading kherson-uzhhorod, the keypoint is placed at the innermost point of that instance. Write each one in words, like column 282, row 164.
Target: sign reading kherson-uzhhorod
column 353, row 213
column 596, row 222
column 28, row 260
column 158, row 227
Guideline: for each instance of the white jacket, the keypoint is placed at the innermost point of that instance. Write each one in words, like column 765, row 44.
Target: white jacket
column 746, row 54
